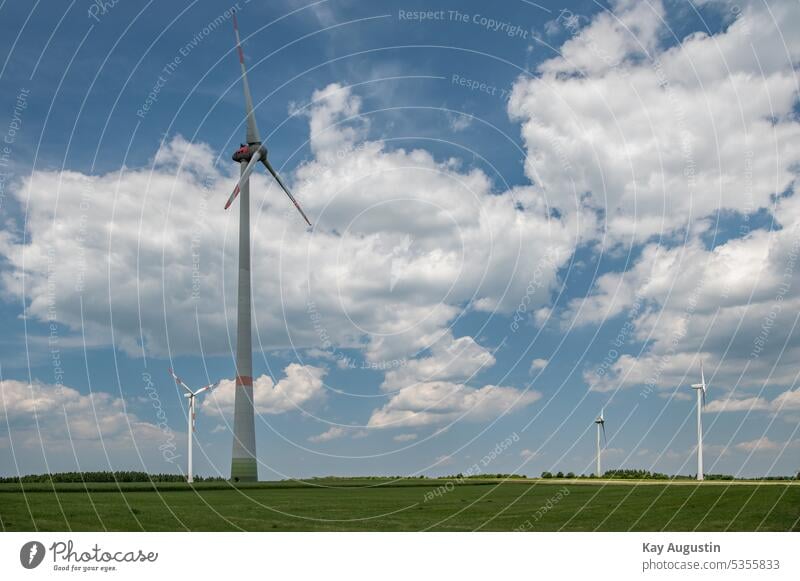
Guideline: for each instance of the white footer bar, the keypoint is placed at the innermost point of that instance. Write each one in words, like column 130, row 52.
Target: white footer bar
column 401, row 556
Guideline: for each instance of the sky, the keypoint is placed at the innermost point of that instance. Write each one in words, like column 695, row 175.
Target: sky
column 523, row 213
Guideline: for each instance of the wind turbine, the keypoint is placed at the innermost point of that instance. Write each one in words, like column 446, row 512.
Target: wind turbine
column 600, row 422
column 243, row 460
column 701, row 403
column 192, row 395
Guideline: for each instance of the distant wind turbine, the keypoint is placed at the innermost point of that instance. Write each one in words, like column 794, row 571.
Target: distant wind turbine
column 600, row 422
column 192, row 395
column 701, row 403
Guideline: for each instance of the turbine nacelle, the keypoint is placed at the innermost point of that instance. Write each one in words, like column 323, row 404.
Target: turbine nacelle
column 601, row 423
column 247, row 150
column 601, row 418
column 702, row 385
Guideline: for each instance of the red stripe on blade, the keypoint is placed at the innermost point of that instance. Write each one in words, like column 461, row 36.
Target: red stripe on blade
column 229, row 202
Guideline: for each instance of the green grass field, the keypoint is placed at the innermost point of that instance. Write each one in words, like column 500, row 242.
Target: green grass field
column 406, row 505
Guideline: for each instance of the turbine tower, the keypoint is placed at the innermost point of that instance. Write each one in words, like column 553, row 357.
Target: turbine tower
column 701, row 402
column 192, row 395
column 600, row 422
column 244, row 466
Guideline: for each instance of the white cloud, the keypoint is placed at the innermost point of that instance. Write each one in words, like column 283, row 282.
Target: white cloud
column 404, row 437
column 631, row 29
column 439, row 402
column 762, row 444
column 659, row 137
column 335, row 123
column 336, row 432
column 332, row 433
column 157, row 254
column 655, row 135
column 459, row 121
column 613, row 125
column 73, row 429
column 786, row 401
column 726, row 306
column 433, row 390
column 449, row 359
column 737, row 405
column 302, row 386
column 538, row 364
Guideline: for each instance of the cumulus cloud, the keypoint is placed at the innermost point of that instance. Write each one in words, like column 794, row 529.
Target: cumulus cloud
column 726, row 305
column 405, row 437
column 440, row 402
column 70, row 428
column 538, row 364
column 332, row 433
column 631, row 137
column 449, row 359
column 402, row 243
column 763, row 444
column 157, row 255
column 663, row 137
column 433, row 389
column 302, row 386
column 656, row 134
column 786, row 401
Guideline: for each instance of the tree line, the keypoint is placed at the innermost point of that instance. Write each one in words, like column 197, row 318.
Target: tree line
column 633, row 474
column 103, row 476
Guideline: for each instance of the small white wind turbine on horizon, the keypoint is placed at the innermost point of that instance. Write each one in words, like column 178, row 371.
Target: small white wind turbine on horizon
column 192, row 395
column 701, row 403
column 600, row 422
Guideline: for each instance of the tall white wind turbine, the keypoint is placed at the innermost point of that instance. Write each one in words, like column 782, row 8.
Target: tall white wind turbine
column 191, row 395
column 244, row 466
column 701, row 403
column 600, row 422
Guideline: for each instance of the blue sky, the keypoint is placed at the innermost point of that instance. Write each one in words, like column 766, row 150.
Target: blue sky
column 523, row 213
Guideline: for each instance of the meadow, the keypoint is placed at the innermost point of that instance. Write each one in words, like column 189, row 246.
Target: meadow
column 403, row 505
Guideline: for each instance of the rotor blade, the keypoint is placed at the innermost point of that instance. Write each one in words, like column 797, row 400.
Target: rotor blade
column 704, row 397
column 702, row 374
column 252, row 130
column 179, row 381
column 603, row 425
column 206, row 388
column 245, row 175
column 266, row 162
